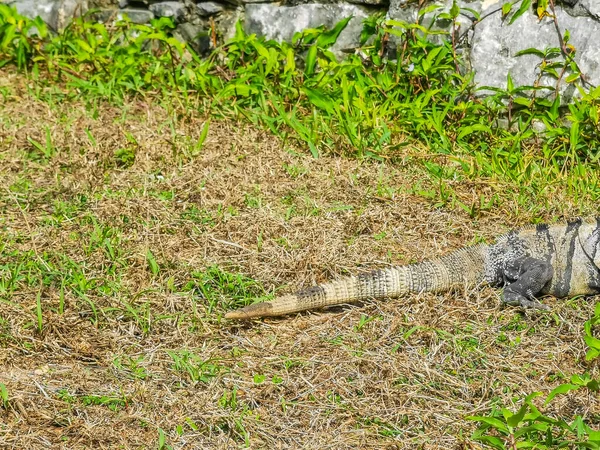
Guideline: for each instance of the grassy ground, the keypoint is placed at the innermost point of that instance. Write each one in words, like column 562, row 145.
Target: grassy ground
column 123, row 242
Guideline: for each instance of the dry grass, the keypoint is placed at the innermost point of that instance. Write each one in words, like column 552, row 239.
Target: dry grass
column 398, row 374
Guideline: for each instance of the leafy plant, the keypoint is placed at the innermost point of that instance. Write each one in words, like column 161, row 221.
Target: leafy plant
column 527, row 427
column 592, row 342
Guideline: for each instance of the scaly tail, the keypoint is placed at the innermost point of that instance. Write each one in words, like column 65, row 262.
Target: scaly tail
column 437, row 275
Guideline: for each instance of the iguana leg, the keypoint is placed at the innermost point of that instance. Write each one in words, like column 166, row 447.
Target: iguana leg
column 528, row 276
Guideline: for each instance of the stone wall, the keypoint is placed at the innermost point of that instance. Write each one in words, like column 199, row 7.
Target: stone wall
column 490, row 45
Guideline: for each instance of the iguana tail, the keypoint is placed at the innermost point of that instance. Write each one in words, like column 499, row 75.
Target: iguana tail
column 466, row 265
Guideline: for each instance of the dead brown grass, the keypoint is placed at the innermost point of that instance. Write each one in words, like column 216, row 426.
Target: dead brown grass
column 406, row 379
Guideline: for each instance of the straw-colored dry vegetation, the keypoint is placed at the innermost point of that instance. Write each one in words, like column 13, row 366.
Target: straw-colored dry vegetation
column 121, row 247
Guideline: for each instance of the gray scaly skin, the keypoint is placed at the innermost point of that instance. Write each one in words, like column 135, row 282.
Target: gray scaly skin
column 558, row 260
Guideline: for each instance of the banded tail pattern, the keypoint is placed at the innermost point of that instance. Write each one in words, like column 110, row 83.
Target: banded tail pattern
column 466, row 265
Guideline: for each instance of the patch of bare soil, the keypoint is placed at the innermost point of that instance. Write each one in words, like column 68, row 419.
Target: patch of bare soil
column 399, row 374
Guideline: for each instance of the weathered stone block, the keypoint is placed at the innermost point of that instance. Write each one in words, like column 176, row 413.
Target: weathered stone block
column 136, row 15
column 281, row 22
column 206, row 9
column 105, row 3
column 196, row 35
column 173, row 9
column 495, row 44
column 584, row 8
column 370, row 2
column 57, row 14
column 227, row 20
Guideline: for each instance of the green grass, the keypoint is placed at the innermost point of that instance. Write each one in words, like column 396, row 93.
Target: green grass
column 116, row 260
column 354, row 107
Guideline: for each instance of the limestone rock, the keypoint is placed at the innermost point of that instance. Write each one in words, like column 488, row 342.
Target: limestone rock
column 489, row 48
column 358, row 2
column 584, row 8
column 56, row 13
column 206, row 9
column 105, row 3
column 196, row 35
column 226, row 22
column 371, row 2
column 136, row 15
column 281, row 22
column 495, row 44
column 173, row 9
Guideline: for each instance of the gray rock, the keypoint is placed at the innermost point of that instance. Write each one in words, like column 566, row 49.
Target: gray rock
column 226, row 22
column 495, row 44
column 296, row 2
column 244, row 2
column 586, row 8
column 490, row 47
column 371, row 2
column 56, row 13
column 281, row 22
column 144, row 3
column 328, row 2
column 136, row 15
column 103, row 3
column 206, row 9
column 173, row 9
column 196, row 35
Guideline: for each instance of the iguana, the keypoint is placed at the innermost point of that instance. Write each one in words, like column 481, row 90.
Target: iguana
column 559, row 260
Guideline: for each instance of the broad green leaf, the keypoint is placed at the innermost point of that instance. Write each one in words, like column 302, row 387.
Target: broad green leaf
column 152, row 264
column 574, row 138
column 525, row 4
column 290, row 61
column 515, row 419
column 319, row 99
column 494, row 441
column 510, row 87
column 471, row 129
column 496, row 423
column 329, row 37
column 537, row 426
column 241, row 89
column 554, row 109
column 476, row 15
column 202, row 137
column 428, row 9
column 530, row 444
column 562, row 389
column 4, row 395
column 531, row 51
column 592, row 354
column 523, row 101
column 311, row 60
column 455, row 10
column 433, row 54
column 593, row 385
